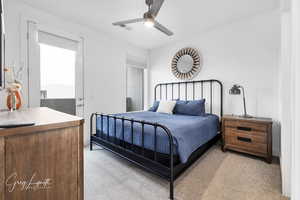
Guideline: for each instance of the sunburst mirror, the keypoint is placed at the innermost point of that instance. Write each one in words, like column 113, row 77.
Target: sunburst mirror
column 186, row 63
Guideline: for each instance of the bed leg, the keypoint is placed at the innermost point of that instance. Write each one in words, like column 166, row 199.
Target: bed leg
column 171, row 189
column 91, row 145
column 171, row 164
column 91, row 130
column 172, row 178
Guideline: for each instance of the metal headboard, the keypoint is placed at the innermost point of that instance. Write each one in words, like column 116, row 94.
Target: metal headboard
column 188, row 90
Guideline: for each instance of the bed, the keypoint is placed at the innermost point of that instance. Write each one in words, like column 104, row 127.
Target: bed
column 163, row 144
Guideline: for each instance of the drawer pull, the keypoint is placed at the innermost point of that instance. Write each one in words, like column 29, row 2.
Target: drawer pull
column 244, row 128
column 244, row 139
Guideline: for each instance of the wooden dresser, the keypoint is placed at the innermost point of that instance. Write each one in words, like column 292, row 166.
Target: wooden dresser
column 248, row 135
column 44, row 161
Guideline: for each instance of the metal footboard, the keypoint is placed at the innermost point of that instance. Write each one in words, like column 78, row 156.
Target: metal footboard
column 110, row 142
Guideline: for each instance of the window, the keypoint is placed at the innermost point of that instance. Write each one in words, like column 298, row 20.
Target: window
column 57, row 72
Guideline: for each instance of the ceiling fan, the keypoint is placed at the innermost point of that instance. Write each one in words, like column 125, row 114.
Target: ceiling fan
column 149, row 17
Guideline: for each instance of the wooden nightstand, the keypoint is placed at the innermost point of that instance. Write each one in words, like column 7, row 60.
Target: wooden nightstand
column 248, row 135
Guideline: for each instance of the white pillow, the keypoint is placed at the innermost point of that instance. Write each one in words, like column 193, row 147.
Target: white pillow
column 166, row 107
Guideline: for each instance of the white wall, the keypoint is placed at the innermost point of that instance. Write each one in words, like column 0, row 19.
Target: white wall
column 244, row 52
column 105, row 57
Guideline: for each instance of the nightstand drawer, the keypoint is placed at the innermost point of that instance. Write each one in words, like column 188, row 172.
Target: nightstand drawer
column 246, row 126
column 256, row 137
column 246, row 143
column 233, row 130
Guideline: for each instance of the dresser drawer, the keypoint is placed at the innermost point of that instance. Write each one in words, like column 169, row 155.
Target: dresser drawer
column 246, row 126
column 233, row 130
column 256, row 137
column 246, row 143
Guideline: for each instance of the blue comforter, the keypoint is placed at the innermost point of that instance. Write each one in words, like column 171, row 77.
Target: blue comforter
column 189, row 132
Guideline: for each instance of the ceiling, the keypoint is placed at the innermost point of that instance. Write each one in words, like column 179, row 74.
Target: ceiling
column 186, row 18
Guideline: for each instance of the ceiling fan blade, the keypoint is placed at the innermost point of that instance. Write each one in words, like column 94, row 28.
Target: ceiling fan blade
column 163, row 29
column 155, row 7
column 120, row 23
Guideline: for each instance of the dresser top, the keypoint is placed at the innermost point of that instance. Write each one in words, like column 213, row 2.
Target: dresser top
column 44, row 119
column 252, row 119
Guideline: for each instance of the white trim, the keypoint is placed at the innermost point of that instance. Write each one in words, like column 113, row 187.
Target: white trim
column 50, row 28
column 83, row 73
column 296, row 100
column 285, row 109
column 33, row 65
column 146, row 91
column 135, row 65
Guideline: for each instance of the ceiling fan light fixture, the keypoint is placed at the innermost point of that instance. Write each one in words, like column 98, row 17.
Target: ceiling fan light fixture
column 148, row 18
column 149, row 23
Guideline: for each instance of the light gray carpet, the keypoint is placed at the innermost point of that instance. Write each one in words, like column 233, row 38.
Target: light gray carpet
column 216, row 175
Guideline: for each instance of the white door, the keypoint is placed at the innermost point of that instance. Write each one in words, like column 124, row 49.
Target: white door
column 55, row 64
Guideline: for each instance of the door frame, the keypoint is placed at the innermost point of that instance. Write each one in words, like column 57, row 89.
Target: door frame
column 58, row 32
column 295, row 182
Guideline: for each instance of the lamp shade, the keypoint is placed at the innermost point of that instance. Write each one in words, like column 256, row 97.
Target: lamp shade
column 235, row 90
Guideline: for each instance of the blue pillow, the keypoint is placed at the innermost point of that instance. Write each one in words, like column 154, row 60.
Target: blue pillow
column 196, row 107
column 154, row 106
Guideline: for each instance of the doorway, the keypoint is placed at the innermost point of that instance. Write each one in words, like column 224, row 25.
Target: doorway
column 55, row 71
column 57, row 67
column 135, row 89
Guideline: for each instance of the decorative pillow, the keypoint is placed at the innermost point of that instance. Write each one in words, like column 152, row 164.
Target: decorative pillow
column 196, row 107
column 154, row 107
column 166, row 107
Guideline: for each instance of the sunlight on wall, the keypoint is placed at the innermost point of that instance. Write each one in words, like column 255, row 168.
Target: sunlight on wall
column 57, row 71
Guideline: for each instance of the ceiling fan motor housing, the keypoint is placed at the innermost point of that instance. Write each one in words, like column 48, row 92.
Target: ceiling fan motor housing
column 148, row 15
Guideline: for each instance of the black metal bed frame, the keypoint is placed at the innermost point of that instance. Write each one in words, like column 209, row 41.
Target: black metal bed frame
column 170, row 172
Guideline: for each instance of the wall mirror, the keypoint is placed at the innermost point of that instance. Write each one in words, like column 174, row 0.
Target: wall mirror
column 186, row 63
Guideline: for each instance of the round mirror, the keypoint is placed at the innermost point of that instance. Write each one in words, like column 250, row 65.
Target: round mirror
column 186, row 63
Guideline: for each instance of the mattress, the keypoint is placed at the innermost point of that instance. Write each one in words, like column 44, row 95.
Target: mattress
column 189, row 132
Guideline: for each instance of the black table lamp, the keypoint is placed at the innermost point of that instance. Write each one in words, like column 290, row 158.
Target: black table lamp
column 236, row 90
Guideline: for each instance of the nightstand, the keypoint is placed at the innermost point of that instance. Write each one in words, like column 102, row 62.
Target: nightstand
column 248, row 135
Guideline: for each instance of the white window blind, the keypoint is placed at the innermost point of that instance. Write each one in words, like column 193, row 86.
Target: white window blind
column 58, row 41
